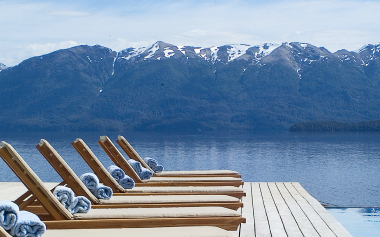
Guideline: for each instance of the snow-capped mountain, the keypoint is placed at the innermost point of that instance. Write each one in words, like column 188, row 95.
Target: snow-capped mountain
column 303, row 52
column 166, row 86
column 2, row 67
column 293, row 54
column 224, row 54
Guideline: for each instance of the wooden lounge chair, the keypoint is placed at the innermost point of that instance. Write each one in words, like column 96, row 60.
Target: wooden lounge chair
column 185, row 231
column 60, row 218
column 74, row 182
column 131, row 152
column 120, row 161
column 105, row 177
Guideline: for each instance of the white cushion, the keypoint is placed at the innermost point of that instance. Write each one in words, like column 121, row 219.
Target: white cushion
column 170, row 199
column 163, row 212
column 192, row 189
column 188, row 231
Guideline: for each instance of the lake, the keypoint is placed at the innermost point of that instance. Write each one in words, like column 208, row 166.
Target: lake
column 340, row 169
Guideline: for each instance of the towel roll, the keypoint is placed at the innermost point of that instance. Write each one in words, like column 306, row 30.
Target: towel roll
column 158, row 169
column 103, row 192
column 153, row 164
column 145, row 173
column 67, row 198
column 79, row 204
column 127, row 182
column 28, row 225
column 136, row 166
column 116, row 172
column 90, row 180
column 9, row 214
column 64, row 195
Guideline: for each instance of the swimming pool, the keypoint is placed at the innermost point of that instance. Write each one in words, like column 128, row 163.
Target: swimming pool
column 360, row 222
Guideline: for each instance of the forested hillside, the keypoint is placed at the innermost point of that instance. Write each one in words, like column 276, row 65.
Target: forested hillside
column 173, row 88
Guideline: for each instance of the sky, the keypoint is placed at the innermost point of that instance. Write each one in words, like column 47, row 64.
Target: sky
column 33, row 28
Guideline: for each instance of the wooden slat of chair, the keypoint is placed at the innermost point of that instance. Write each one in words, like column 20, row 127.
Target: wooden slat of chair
column 120, row 161
column 96, row 166
column 64, row 170
column 3, row 233
column 132, row 153
column 33, row 183
column 104, row 176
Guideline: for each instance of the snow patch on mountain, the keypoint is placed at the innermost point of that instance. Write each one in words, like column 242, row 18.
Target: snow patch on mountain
column 181, row 49
column 2, row 67
column 236, row 50
column 134, row 52
column 214, row 53
column 152, row 50
column 168, row 52
column 266, row 49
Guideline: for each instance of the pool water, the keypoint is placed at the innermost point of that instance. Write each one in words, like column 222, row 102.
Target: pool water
column 360, row 222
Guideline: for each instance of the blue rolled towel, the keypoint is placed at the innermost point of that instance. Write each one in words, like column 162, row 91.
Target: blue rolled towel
column 145, row 173
column 127, row 182
column 116, row 172
column 136, row 166
column 28, row 225
column 90, row 180
column 158, row 169
column 153, row 164
column 9, row 213
column 79, row 204
column 103, row 192
column 64, row 195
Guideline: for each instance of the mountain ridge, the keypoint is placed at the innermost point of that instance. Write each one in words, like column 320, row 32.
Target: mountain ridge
column 168, row 87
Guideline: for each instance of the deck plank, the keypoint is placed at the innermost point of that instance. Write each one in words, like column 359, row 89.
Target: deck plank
column 285, row 213
column 247, row 229
column 333, row 224
column 300, row 217
column 319, row 225
column 259, row 213
column 274, row 219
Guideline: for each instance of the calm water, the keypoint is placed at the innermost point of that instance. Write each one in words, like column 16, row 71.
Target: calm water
column 339, row 168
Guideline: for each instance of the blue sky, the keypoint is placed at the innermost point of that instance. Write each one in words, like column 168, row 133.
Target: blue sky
column 33, row 28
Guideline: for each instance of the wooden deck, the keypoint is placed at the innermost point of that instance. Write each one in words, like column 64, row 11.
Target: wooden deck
column 271, row 209
column 285, row 209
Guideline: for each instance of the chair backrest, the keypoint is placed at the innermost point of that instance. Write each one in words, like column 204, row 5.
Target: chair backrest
column 34, row 184
column 64, row 170
column 96, row 166
column 118, row 158
column 128, row 149
column 3, row 233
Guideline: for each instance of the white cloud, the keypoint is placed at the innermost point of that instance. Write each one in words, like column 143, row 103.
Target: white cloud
column 11, row 58
column 38, row 26
column 39, row 49
column 68, row 13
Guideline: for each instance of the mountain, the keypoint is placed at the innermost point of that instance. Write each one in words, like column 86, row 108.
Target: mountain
column 2, row 67
column 185, row 88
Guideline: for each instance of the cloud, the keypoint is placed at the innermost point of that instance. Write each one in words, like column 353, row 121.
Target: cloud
column 39, row 49
column 39, row 26
column 11, row 58
column 68, row 13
